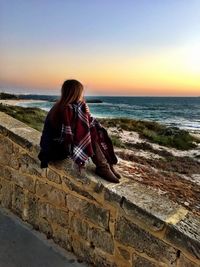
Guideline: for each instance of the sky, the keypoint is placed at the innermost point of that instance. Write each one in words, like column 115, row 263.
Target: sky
column 113, row 47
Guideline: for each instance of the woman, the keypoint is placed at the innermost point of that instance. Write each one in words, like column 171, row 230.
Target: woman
column 71, row 131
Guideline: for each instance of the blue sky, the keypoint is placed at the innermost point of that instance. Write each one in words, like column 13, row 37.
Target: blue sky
column 90, row 29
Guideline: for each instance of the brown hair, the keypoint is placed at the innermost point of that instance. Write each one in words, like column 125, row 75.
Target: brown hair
column 71, row 91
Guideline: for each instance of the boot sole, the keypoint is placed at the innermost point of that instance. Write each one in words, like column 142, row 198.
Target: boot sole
column 108, row 179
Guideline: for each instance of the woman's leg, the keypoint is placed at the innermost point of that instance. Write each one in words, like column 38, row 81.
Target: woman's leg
column 102, row 166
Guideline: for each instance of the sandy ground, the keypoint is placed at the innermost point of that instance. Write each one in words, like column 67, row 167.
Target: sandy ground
column 13, row 102
column 181, row 188
column 133, row 137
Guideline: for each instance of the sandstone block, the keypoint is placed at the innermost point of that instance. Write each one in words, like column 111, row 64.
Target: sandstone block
column 53, row 214
column 124, row 253
column 6, row 150
column 186, row 234
column 52, row 194
column 130, row 234
column 112, row 196
column 139, row 261
column 0, row 187
column 32, row 208
column 6, row 194
column 101, row 260
column 142, row 216
column 45, row 227
column 53, row 176
column 6, row 172
column 92, row 212
column 19, row 132
column 184, row 262
column 101, row 239
column 18, row 201
column 62, row 237
column 98, row 188
column 77, row 189
column 14, row 162
column 79, row 227
column 30, row 165
column 17, row 149
column 98, row 237
column 6, row 144
column 130, row 194
column 83, row 250
column 23, row 180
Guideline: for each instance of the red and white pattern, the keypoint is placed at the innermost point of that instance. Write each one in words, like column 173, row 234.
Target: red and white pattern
column 86, row 130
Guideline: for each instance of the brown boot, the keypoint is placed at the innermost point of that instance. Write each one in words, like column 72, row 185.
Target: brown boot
column 115, row 172
column 106, row 173
column 102, row 167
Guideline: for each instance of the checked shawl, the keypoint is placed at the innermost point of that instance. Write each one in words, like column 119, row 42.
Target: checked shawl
column 80, row 130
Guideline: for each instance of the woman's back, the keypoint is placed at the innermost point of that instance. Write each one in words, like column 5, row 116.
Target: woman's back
column 70, row 130
column 52, row 142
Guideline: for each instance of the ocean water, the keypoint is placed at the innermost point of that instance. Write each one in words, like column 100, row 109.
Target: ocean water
column 183, row 112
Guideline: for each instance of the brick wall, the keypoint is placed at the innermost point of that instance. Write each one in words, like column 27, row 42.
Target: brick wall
column 105, row 224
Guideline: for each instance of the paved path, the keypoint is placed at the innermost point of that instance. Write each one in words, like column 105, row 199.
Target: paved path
column 21, row 246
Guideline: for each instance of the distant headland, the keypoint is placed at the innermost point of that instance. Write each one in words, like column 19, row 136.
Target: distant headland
column 49, row 98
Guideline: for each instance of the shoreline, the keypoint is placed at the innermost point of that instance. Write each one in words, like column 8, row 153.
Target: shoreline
column 14, row 102
column 17, row 102
column 137, row 154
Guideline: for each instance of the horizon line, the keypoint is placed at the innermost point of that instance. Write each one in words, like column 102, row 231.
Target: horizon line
column 102, row 95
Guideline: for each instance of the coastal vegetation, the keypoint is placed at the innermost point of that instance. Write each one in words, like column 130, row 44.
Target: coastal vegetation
column 168, row 163
column 33, row 117
column 8, row 96
column 148, row 130
column 154, row 132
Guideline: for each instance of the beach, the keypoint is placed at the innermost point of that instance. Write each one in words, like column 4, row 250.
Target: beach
column 183, row 113
column 15, row 102
column 112, row 107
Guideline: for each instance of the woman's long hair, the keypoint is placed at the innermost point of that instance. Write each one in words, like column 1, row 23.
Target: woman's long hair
column 70, row 92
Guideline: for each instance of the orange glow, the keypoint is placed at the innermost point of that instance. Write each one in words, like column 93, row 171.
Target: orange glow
column 174, row 71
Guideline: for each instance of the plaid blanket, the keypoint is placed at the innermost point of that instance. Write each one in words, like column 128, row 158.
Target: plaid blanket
column 79, row 131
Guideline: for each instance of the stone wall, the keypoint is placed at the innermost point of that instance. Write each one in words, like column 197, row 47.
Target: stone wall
column 104, row 224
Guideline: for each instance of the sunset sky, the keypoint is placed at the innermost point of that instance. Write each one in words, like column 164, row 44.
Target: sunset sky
column 114, row 47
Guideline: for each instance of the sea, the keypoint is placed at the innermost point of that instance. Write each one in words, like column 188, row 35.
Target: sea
column 182, row 112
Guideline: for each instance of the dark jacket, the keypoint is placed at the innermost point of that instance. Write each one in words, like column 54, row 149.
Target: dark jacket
column 51, row 148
